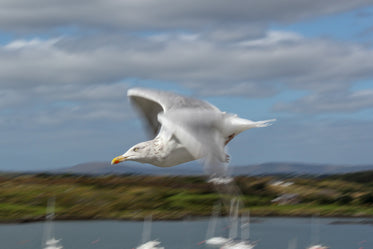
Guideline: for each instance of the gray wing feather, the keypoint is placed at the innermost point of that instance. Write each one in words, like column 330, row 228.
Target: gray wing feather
column 151, row 102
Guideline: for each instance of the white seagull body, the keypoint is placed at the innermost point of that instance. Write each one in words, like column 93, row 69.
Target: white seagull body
column 185, row 129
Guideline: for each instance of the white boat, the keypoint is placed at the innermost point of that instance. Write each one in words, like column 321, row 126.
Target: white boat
column 49, row 241
column 315, row 230
column 211, row 239
column 216, row 241
column 318, row 247
column 237, row 245
column 232, row 242
column 146, row 235
column 245, row 229
column 153, row 244
column 52, row 243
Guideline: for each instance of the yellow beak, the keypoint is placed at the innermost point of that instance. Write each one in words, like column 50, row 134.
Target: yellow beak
column 118, row 159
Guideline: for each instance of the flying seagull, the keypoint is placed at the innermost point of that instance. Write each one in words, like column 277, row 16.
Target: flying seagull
column 184, row 129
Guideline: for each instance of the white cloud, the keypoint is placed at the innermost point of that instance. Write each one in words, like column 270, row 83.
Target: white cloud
column 56, row 106
column 41, row 15
column 273, row 38
column 342, row 102
column 243, row 89
column 89, row 68
column 77, row 92
column 35, row 43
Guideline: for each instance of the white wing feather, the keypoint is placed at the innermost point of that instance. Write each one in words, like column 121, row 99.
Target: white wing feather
column 152, row 102
column 200, row 133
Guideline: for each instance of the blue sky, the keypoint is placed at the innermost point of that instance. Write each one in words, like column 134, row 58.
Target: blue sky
column 65, row 69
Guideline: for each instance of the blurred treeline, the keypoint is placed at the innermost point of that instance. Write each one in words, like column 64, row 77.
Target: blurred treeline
column 24, row 197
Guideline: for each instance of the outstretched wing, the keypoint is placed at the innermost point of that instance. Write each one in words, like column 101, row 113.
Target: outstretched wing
column 151, row 102
column 200, row 132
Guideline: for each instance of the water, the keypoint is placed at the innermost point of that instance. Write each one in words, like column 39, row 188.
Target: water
column 269, row 233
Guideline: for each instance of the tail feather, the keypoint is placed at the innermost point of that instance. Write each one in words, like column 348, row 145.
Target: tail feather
column 264, row 123
column 239, row 124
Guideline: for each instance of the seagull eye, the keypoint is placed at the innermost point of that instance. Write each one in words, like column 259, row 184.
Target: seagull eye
column 135, row 149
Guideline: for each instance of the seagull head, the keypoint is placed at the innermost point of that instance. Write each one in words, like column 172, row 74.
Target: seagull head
column 139, row 152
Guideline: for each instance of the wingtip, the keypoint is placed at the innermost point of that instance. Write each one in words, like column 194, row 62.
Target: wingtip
column 132, row 91
column 266, row 123
column 139, row 91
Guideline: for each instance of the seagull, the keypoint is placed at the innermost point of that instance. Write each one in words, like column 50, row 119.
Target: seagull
column 184, row 129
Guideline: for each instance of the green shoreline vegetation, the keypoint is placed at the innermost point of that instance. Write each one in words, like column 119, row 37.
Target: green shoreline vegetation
column 24, row 197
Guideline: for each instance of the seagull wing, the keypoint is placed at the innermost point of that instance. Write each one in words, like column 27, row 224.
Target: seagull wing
column 151, row 102
column 200, row 132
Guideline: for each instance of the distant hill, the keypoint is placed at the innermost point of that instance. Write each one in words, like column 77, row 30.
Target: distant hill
column 276, row 168
column 105, row 168
column 100, row 168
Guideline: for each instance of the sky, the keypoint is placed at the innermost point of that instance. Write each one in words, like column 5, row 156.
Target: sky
column 65, row 68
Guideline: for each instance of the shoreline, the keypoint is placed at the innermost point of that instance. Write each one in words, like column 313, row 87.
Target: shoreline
column 131, row 198
column 365, row 219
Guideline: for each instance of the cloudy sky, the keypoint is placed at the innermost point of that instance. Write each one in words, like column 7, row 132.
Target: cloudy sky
column 65, row 67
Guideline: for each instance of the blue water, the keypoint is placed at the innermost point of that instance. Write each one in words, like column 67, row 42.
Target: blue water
column 269, row 233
